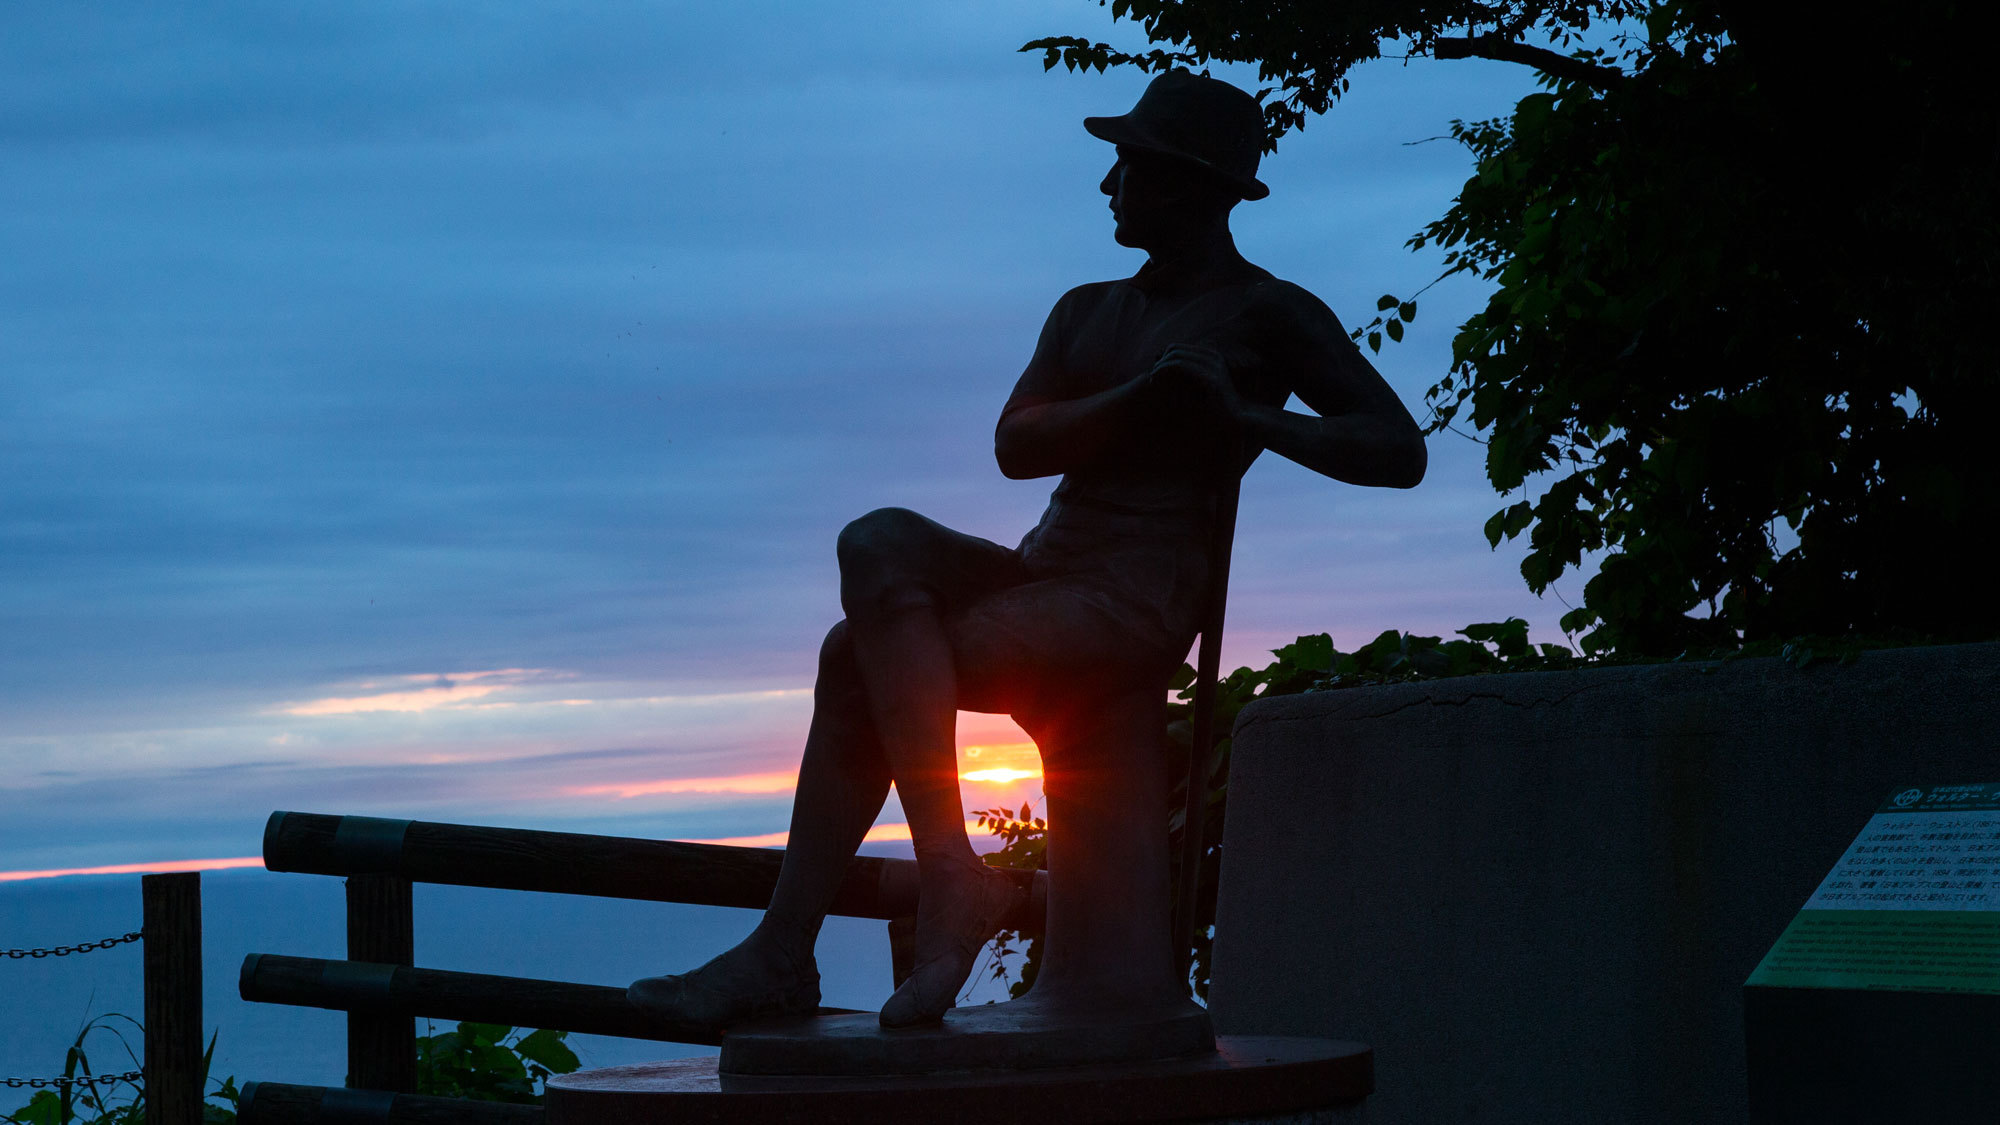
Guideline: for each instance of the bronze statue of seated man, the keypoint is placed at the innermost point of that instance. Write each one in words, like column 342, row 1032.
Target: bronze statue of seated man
column 1146, row 395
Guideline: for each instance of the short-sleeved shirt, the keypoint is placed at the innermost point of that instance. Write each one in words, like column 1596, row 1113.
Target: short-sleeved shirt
column 1129, row 533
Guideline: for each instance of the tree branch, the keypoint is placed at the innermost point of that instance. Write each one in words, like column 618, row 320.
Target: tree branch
column 1541, row 58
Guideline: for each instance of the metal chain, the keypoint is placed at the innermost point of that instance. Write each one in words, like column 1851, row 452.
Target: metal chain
column 66, row 950
column 87, row 1080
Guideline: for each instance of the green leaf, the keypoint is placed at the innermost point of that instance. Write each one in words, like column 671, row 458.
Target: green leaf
column 42, row 1109
column 1375, row 341
column 1538, row 570
column 1312, row 653
column 1407, row 310
column 496, row 1060
column 1395, row 330
column 547, row 1048
column 483, row 1034
column 1385, row 302
column 1511, row 638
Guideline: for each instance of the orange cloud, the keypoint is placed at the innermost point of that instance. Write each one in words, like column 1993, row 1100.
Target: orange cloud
column 990, row 752
column 137, row 868
column 875, row 835
column 741, row 783
column 1001, row 763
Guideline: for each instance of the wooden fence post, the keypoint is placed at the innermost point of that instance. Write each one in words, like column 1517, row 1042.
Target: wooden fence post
column 381, row 927
column 172, row 922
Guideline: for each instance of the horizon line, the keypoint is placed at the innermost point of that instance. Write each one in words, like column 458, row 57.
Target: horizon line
column 877, row 834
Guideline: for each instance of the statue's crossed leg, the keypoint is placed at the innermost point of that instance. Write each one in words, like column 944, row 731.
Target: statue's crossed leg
column 938, row 621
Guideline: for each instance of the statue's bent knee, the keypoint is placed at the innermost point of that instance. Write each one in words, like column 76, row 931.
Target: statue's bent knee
column 881, row 558
column 837, row 648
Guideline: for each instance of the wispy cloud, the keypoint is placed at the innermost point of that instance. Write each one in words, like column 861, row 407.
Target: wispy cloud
column 881, row 833
column 172, row 865
column 442, row 689
column 423, row 699
column 742, row 783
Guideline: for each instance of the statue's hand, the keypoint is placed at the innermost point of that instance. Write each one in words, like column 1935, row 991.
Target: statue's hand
column 1193, row 380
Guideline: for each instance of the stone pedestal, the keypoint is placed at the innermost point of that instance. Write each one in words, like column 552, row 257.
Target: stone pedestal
column 1294, row 1081
column 1018, row 1035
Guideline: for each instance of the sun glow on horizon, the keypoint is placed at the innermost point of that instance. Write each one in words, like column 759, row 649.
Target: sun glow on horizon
column 1000, row 775
column 168, row 866
column 876, row 835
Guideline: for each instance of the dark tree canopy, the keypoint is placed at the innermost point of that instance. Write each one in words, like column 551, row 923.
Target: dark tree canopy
column 1744, row 262
column 1306, row 48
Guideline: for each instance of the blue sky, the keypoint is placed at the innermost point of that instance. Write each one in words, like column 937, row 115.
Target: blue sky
column 446, row 410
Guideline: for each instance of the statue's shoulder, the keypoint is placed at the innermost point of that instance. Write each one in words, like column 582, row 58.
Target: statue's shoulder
column 1089, row 295
column 1075, row 308
column 1290, row 298
column 1292, row 309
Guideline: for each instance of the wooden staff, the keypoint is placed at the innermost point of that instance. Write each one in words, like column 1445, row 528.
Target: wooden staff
column 1208, row 666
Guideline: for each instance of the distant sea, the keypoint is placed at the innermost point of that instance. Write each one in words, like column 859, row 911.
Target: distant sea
column 554, row 937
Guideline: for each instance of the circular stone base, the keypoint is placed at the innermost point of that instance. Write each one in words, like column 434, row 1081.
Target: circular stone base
column 1247, row 1078
column 1018, row 1035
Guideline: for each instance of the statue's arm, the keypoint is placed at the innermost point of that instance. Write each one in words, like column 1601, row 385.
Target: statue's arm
column 1360, row 431
column 1043, row 431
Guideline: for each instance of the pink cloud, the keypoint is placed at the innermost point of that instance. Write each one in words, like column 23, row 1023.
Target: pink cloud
column 167, row 866
column 741, row 783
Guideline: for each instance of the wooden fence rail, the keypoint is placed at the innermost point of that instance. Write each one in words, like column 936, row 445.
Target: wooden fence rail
column 401, row 991
column 382, row 992
column 522, row 859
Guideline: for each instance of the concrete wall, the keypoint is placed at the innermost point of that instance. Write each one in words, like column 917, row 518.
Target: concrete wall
column 1537, row 895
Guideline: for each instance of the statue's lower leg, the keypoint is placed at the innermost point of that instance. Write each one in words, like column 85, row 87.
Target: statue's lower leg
column 907, row 662
column 843, row 780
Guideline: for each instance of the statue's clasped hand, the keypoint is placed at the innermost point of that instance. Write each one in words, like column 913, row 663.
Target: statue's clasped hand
column 1191, row 382
column 1197, row 376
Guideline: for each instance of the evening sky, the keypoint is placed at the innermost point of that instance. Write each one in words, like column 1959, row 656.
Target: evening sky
column 447, row 410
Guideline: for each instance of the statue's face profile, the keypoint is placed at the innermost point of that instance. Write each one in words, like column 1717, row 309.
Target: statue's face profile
column 1156, row 199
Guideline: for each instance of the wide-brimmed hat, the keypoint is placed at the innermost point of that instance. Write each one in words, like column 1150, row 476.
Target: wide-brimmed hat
column 1205, row 121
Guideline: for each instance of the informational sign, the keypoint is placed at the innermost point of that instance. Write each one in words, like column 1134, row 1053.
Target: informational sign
column 1913, row 905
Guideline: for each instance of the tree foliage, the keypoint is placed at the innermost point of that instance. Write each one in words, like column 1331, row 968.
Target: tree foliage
column 1742, row 260
column 1306, row 49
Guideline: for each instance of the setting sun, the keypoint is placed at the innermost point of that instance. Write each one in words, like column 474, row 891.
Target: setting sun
column 998, row 765
column 1000, row 774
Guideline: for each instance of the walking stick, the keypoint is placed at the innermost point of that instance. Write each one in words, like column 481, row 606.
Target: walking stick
column 1208, row 666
